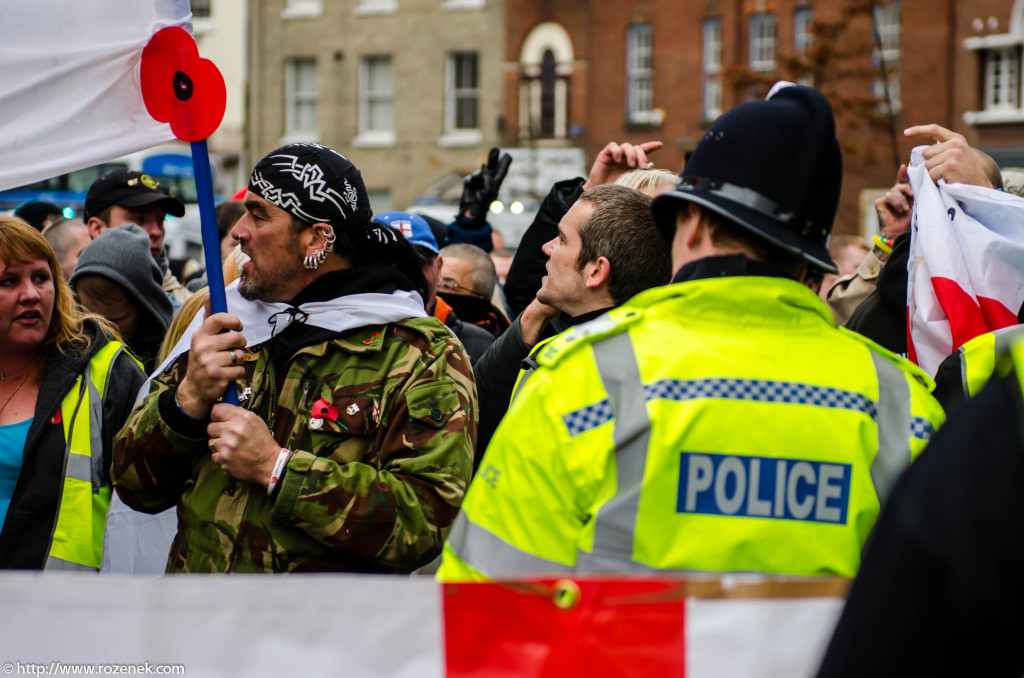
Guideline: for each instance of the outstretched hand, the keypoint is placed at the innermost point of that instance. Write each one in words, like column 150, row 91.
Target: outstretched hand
column 951, row 158
column 481, row 187
column 615, row 159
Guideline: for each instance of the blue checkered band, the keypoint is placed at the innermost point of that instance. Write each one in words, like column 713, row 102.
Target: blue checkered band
column 760, row 390
column 589, row 417
column 754, row 390
column 921, row 428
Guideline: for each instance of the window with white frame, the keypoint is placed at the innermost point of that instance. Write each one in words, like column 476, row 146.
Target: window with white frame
column 301, row 9
column 880, row 91
column 887, row 23
column 545, row 64
column 803, row 35
column 762, row 42
column 639, row 74
column 301, row 95
column 1002, row 78
column 1000, row 56
column 803, row 38
column 376, row 7
column 888, row 53
column 711, row 68
column 462, row 108
column 376, row 99
column 200, row 9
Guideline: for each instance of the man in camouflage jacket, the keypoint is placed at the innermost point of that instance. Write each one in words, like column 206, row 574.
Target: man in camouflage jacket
column 352, row 446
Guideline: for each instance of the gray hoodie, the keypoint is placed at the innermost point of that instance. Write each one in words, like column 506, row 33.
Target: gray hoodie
column 122, row 255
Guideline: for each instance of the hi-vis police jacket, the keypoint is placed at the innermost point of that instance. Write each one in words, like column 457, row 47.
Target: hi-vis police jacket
column 962, row 374
column 58, row 511
column 721, row 424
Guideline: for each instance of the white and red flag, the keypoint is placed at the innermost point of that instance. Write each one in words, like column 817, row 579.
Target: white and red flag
column 966, row 266
column 70, row 94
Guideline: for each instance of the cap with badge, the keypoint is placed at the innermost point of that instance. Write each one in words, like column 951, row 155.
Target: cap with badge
column 128, row 188
column 414, row 227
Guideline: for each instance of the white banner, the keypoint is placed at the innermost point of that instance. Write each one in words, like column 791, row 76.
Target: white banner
column 384, row 626
column 69, row 83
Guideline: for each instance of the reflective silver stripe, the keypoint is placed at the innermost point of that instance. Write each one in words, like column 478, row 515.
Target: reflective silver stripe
column 95, row 431
column 523, row 378
column 79, row 468
column 1007, row 337
column 894, row 426
column 491, row 555
column 962, row 358
column 615, row 522
column 55, row 564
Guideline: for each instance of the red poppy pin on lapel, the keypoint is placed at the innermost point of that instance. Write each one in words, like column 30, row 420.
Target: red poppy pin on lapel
column 322, row 409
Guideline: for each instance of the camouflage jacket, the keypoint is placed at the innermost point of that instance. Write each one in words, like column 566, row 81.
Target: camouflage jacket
column 375, row 490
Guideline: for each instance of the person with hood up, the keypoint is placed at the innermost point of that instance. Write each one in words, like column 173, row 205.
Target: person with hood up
column 118, row 279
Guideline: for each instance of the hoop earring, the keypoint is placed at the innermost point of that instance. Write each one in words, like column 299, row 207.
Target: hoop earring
column 329, row 239
column 312, row 261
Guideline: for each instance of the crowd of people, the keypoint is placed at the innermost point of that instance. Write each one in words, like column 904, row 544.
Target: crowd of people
column 660, row 384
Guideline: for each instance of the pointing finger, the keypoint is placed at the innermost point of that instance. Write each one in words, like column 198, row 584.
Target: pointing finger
column 935, row 132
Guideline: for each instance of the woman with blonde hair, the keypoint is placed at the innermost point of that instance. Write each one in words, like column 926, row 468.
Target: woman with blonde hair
column 66, row 387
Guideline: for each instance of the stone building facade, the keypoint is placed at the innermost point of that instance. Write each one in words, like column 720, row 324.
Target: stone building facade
column 409, row 90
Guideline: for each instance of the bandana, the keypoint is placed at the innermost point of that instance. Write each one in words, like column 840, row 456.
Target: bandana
column 313, row 183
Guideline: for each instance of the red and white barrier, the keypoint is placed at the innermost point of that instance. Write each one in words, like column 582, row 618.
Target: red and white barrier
column 327, row 625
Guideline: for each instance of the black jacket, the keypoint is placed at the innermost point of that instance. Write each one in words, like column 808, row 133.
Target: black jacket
column 882, row 316
column 476, row 340
column 940, row 590
column 497, row 371
column 26, row 533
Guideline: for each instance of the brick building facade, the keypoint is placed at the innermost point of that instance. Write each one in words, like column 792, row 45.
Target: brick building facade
column 585, row 72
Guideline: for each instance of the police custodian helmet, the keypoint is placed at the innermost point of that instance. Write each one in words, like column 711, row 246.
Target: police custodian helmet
column 772, row 167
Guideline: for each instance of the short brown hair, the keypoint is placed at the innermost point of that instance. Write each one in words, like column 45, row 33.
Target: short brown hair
column 726, row 232
column 622, row 230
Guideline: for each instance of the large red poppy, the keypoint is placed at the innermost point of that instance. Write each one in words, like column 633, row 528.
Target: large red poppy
column 181, row 88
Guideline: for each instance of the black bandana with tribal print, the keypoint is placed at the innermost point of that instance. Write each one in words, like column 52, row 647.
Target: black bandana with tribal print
column 315, row 184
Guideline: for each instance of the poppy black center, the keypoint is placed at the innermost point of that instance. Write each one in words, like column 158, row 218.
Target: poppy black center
column 182, row 86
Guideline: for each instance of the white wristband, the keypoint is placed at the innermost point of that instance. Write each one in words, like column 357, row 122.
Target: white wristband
column 282, row 461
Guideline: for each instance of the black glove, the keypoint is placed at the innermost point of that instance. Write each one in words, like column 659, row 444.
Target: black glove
column 480, row 188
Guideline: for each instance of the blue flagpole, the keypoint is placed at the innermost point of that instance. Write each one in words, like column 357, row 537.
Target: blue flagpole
column 211, row 240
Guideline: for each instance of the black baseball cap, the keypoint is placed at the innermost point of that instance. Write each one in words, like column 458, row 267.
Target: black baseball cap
column 127, row 188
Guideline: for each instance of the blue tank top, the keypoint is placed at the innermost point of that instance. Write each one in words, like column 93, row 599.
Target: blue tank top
column 12, row 448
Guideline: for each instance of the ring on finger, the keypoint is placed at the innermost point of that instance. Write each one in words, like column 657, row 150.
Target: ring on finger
column 212, row 444
column 234, row 357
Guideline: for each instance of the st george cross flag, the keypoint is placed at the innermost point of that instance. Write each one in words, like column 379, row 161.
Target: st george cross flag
column 70, row 95
column 966, row 267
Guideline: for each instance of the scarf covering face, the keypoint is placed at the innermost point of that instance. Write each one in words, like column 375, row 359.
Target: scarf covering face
column 313, row 183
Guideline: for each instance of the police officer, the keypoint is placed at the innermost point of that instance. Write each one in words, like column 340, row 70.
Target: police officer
column 722, row 422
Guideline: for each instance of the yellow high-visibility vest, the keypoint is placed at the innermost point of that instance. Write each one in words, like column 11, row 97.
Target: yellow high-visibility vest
column 77, row 542
column 718, row 425
column 978, row 356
